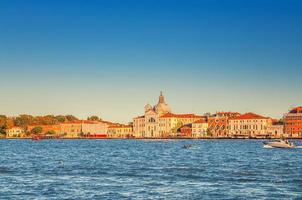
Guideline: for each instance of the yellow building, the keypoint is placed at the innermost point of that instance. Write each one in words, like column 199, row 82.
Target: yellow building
column 139, row 126
column 200, row 128
column 71, row 129
column 170, row 123
column 276, row 131
column 15, row 132
column 120, row 131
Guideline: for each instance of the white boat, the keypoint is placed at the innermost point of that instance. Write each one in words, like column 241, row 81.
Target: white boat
column 279, row 144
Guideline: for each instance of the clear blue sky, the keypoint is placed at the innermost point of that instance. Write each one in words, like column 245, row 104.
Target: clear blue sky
column 110, row 58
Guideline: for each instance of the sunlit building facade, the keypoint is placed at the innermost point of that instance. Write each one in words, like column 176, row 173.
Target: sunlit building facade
column 293, row 123
column 14, row 132
column 159, row 121
column 249, row 125
column 120, row 131
column 219, row 123
column 200, row 129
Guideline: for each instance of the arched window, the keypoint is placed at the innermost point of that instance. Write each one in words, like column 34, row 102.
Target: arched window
column 151, row 119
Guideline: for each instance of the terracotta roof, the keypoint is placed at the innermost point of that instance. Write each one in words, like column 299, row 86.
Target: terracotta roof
column 120, row 126
column 249, row 116
column 228, row 113
column 201, row 121
column 139, row 117
column 171, row 115
column 107, row 122
column 297, row 110
column 276, row 122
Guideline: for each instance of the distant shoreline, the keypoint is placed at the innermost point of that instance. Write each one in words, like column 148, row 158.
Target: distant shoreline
column 150, row 139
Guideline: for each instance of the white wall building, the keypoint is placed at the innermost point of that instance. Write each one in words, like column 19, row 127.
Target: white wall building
column 94, row 128
column 148, row 125
column 249, row 125
column 158, row 121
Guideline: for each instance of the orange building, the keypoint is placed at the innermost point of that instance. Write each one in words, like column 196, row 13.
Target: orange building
column 293, row 123
column 218, row 123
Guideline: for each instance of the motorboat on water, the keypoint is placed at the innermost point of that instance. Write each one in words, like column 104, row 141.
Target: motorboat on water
column 187, row 146
column 279, row 144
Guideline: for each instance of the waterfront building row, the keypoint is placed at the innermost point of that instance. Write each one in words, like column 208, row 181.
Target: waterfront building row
column 159, row 122
column 77, row 129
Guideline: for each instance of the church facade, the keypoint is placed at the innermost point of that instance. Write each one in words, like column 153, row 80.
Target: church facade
column 159, row 121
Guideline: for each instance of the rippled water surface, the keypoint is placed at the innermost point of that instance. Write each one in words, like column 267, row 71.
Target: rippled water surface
column 137, row 169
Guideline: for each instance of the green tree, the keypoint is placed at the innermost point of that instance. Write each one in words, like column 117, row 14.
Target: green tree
column 23, row 120
column 3, row 124
column 61, row 118
column 93, row 118
column 37, row 130
column 71, row 118
column 51, row 132
column 2, row 131
column 50, row 120
column 3, row 119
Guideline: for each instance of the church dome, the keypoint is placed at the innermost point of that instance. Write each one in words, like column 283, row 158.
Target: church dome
column 148, row 107
column 162, row 108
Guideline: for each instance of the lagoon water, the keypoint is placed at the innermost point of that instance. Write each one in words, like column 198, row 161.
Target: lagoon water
column 137, row 169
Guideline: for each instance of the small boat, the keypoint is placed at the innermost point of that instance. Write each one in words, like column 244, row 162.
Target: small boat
column 187, row 146
column 279, row 144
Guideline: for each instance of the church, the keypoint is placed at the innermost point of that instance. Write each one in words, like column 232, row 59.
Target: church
column 159, row 121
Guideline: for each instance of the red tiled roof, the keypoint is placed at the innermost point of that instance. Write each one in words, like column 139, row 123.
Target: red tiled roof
column 228, row 113
column 120, row 126
column 296, row 110
column 171, row 115
column 107, row 122
column 250, row 116
column 201, row 121
column 139, row 117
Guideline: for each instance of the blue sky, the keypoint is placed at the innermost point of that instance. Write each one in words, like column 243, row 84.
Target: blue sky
column 110, row 58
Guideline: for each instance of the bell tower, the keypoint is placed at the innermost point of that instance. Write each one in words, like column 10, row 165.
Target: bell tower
column 161, row 98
